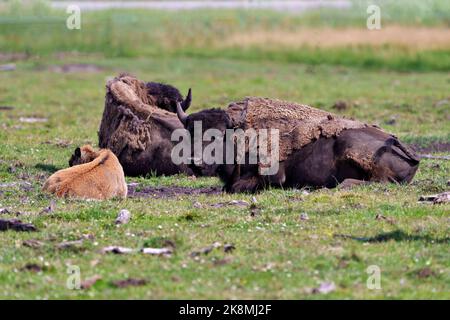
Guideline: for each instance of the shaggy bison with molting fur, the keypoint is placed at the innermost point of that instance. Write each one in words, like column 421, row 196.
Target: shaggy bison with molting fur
column 316, row 148
column 137, row 125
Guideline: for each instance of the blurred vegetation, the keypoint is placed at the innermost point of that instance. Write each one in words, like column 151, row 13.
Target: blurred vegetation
column 36, row 29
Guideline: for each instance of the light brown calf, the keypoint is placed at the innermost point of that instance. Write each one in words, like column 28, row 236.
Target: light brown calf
column 93, row 175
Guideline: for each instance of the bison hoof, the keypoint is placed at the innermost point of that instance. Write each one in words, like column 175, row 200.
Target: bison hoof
column 243, row 186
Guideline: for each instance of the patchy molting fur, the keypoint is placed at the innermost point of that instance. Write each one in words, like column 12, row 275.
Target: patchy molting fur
column 325, row 162
column 138, row 132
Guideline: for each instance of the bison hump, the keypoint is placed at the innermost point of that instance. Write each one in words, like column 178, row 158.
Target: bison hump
column 298, row 124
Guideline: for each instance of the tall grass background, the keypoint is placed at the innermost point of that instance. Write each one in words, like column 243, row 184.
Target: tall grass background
column 36, row 29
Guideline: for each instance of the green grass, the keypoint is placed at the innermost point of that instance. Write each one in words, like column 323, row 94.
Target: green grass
column 134, row 33
column 277, row 255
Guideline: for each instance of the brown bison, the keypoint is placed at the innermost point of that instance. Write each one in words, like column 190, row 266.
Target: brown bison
column 316, row 148
column 137, row 125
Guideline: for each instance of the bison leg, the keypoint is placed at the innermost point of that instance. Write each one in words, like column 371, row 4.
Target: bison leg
column 234, row 177
column 248, row 184
column 251, row 181
column 350, row 183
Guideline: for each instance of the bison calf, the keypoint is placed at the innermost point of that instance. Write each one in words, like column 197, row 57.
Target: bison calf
column 92, row 175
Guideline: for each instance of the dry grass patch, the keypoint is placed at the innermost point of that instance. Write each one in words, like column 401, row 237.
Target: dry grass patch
column 416, row 38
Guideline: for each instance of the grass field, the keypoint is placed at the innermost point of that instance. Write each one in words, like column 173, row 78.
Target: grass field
column 277, row 254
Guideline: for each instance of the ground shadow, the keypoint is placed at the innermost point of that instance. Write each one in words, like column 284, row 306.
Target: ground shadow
column 46, row 167
column 396, row 235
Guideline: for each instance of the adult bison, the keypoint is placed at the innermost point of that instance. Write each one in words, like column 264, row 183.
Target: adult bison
column 137, row 125
column 316, row 148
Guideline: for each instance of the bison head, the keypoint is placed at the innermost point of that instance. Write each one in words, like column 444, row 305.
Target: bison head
column 82, row 155
column 166, row 96
column 205, row 120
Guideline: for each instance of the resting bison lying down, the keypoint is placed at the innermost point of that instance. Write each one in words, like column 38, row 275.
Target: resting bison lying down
column 317, row 148
column 137, row 123
column 93, row 175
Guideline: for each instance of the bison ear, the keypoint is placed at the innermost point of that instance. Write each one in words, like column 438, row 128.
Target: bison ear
column 187, row 102
column 78, row 152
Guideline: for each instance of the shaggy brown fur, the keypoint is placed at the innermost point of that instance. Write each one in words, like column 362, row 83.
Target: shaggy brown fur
column 93, row 175
column 135, row 130
column 298, row 124
column 317, row 149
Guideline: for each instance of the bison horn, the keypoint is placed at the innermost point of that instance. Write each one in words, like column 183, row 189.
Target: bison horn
column 187, row 102
column 181, row 114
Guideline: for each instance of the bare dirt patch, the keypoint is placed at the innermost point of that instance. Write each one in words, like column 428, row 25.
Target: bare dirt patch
column 169, row 192
column 16, row 225
column 10, row 57
column 75, row 68
column 425, row 273
column 59, row 142
column 130, row 282
column 33, row 267
column 433, row 147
